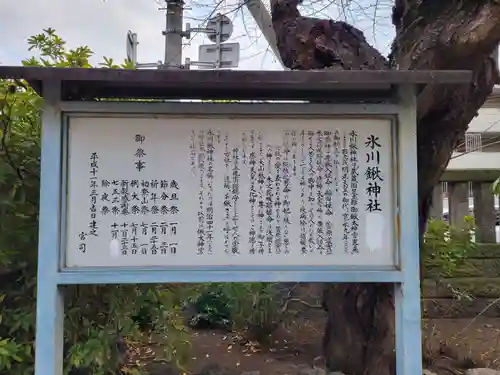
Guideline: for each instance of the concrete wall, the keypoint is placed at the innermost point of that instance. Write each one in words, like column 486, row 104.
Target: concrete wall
column 478, row 277
column 468, row 199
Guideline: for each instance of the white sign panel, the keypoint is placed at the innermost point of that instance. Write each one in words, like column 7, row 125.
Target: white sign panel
column 227, row 54
column 221, row 25
column 230, row 192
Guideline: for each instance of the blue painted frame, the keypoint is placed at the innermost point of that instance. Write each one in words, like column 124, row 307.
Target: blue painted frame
column 50, row 302
column 215, row 273
column 52, row 276
column 407, row 293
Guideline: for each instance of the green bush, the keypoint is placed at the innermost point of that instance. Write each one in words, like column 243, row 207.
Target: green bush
column 100, row 320
column 211, row 308
column 445, row 247
column 255, row 310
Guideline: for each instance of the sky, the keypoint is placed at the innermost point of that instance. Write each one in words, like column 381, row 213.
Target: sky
column 103, row 24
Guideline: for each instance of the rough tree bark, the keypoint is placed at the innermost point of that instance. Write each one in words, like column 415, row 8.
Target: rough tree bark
column 431, row 35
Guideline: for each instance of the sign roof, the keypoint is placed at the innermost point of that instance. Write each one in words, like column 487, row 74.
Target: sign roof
column 79, row 83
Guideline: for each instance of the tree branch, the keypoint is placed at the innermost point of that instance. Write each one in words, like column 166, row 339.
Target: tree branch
column 6, row 119
column 430, row 35
column 446, row 35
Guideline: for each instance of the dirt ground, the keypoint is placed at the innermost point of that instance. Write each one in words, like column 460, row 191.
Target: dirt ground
column 475, row 342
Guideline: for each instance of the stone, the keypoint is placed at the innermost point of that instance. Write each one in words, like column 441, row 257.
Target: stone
column 336, row 373
column 256, row 372
column 319, row 362
column 482, row 371
column 428, row 372
column 312, row 371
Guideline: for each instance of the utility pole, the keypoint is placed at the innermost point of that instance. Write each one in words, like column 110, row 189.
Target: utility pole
column 173, row 34
column 219, row 55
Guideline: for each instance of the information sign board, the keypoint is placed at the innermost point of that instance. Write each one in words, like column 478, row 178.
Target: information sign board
column 235, row 191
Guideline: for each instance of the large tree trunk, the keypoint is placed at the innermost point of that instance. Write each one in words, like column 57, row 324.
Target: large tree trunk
column 431, row 34
column 359, row 333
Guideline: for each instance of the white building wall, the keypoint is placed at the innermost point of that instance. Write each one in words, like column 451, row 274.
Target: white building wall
column 488, row 120
column 475, row 160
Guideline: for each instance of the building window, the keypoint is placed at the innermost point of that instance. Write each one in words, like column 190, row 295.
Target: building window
column 472, row 142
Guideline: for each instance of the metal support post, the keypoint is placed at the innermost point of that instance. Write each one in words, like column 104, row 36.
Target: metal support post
column 50, row 302
column 407, row 293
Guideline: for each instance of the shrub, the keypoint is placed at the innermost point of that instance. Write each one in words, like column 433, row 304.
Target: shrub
column 100, row 320
column 255, row 310
column 445, row 247
column 211, row 308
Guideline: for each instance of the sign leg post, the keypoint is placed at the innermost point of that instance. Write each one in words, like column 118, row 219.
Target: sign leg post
column 50, row 303
column 407, row 293
column 49, row 329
